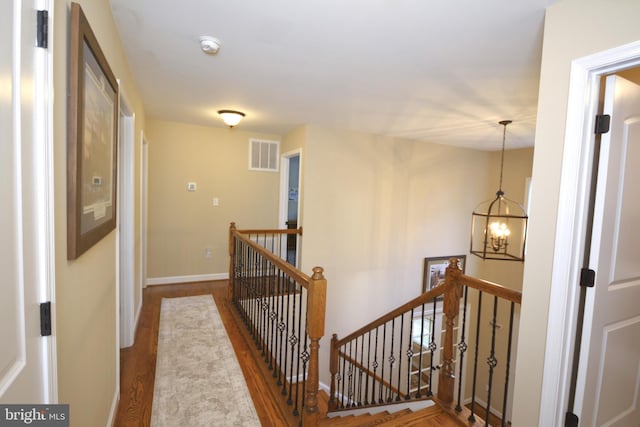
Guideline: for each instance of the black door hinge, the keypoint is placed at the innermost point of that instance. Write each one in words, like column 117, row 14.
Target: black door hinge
column 42, row 30
column 603, row 123
column 587, row 278
column 570, row 420
column 45, row 319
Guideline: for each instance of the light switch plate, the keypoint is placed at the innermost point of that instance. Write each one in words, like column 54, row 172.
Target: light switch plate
column 192, row 186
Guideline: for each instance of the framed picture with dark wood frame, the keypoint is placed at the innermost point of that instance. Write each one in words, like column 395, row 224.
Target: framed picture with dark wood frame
column 92, row 140
column 434, row 269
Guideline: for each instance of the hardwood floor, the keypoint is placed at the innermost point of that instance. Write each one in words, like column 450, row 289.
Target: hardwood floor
column 138, row 366
column 138, row 362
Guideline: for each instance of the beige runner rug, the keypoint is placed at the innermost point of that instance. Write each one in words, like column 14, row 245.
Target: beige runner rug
column 198, row 379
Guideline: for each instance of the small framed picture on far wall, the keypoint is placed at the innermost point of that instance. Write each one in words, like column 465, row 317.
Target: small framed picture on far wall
column 434, row 269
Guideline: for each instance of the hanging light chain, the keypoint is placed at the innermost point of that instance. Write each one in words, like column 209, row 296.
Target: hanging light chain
column 504, row 123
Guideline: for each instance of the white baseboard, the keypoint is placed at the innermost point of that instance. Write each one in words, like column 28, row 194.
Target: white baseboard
column 185, row 279
column 114, row 407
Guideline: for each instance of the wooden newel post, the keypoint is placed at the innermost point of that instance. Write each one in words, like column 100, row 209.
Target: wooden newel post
column 232, row 228
column 333, row 369
column 315, row 330
column 451, row 308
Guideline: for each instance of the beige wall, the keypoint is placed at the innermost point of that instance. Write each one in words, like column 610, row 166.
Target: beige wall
column 181, row 223
column 85, row 306
column 573, row 29
column 374, row 208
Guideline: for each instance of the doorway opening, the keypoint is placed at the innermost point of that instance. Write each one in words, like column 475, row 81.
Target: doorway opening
column 290, row 177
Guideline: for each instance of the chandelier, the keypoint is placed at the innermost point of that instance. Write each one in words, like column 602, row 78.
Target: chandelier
column 499, row 225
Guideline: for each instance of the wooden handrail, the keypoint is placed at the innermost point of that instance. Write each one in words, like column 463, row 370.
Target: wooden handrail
column 275, row 231
column 290, row 270
column 422, row 299
column 490, row 288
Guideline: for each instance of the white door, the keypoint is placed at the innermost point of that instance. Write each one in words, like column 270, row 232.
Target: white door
column 26, row 257
column 609, row 374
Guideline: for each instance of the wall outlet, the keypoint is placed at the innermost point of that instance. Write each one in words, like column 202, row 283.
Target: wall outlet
column 208, row 253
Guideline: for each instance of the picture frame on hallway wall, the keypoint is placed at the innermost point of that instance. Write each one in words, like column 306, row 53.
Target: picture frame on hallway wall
column 434, row 270
column 92, row 140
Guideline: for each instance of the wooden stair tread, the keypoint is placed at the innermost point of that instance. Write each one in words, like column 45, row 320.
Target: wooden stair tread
column 428, row 417
column 434, row 416
column 364, row 419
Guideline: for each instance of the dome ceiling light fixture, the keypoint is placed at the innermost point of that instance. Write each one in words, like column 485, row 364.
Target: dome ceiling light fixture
column 231, row 117
column 209, row 45
column 499, row 226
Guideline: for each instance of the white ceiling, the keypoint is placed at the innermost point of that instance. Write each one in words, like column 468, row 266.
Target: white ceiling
column 437, row 71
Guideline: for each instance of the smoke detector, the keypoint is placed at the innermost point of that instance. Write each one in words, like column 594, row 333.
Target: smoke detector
column 209, row 45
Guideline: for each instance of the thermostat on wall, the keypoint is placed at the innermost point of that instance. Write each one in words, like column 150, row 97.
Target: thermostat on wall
column 191, row 186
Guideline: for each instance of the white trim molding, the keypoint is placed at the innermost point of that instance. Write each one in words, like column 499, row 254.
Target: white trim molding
column 151, row 281
column 114, row 407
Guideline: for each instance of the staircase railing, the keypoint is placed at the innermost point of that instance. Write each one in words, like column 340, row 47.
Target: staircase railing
column 420, row 351
column 284, row 312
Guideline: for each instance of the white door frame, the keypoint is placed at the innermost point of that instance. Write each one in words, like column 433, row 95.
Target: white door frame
column 571, row 222
column 144, row 206
column 125, row 241
column 45, row 195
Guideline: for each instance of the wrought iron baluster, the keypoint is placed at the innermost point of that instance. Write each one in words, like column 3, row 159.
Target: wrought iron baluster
column 366, row 387
column 462, row 348
column 508, row 366
column 287, row 280
column 343, row 349
column 297, row 390
column 432, row 349
column 350, row 375
column 305, row 360
column 361, row 370
column 294, row 341
column 392, row 361
column 251, row 279
column 418, row 393
column 262, row 307
column 409, row 357
column 281, row 327
column 384, row 345
column 472, row 417
column 375, row 368
column 251, row 292
column 271, row 296
column 400, row 356
column 491, row 360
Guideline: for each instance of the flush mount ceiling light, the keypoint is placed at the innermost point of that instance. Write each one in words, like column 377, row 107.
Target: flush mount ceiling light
column 209, row 45
column 499, row 226
column 231, row 117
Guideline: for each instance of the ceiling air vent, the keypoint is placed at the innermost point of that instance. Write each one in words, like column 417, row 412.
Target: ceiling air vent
column 263, row 155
